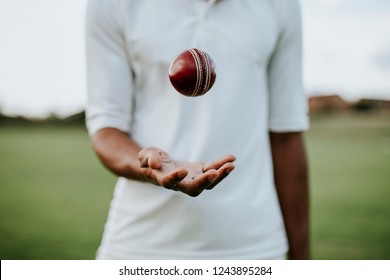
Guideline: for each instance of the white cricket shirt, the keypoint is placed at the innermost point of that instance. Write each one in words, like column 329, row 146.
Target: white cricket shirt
column 256, row 45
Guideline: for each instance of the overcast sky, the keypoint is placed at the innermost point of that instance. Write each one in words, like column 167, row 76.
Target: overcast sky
column 42, row 67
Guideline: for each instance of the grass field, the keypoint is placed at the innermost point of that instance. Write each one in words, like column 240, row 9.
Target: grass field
column 54, row 194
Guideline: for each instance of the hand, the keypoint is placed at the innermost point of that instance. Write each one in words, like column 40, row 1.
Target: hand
column 190, row 178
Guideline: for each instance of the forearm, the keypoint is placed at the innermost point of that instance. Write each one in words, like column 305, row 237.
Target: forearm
column 118, row 152
column 291, row 180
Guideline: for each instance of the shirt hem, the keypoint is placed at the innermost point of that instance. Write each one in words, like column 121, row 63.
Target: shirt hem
column 291, row 126
column 94, row 127
column 250, row 254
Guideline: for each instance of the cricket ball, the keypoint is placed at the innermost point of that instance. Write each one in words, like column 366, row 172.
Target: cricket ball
column 192, row 73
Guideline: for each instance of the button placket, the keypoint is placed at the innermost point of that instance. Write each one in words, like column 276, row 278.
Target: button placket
column 204, row 10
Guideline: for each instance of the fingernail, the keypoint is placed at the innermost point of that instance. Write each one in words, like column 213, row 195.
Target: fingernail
column 229, row 170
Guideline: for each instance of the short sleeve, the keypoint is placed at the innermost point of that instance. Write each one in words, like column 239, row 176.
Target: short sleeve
column 109, row 75
column 288, row 110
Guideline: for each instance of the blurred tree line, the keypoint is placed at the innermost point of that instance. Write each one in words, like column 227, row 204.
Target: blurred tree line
column 77, row 119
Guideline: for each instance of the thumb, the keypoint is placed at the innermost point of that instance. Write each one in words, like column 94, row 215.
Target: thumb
column 150, row 157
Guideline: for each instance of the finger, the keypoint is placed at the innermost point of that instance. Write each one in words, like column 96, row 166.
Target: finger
column 196, row 186
column 143, row 158
column 154, row 160
column 224, row 171
column 218, row 163
column 170, row 180
column 150, row 157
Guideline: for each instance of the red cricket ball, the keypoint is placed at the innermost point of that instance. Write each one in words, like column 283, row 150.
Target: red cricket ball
column 192, row 73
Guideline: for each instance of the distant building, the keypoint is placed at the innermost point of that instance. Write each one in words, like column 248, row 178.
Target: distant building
column 334, row 103
column 327, row 103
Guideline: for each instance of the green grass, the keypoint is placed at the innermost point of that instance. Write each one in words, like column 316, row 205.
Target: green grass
column 54, row 194
column 350, row 186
